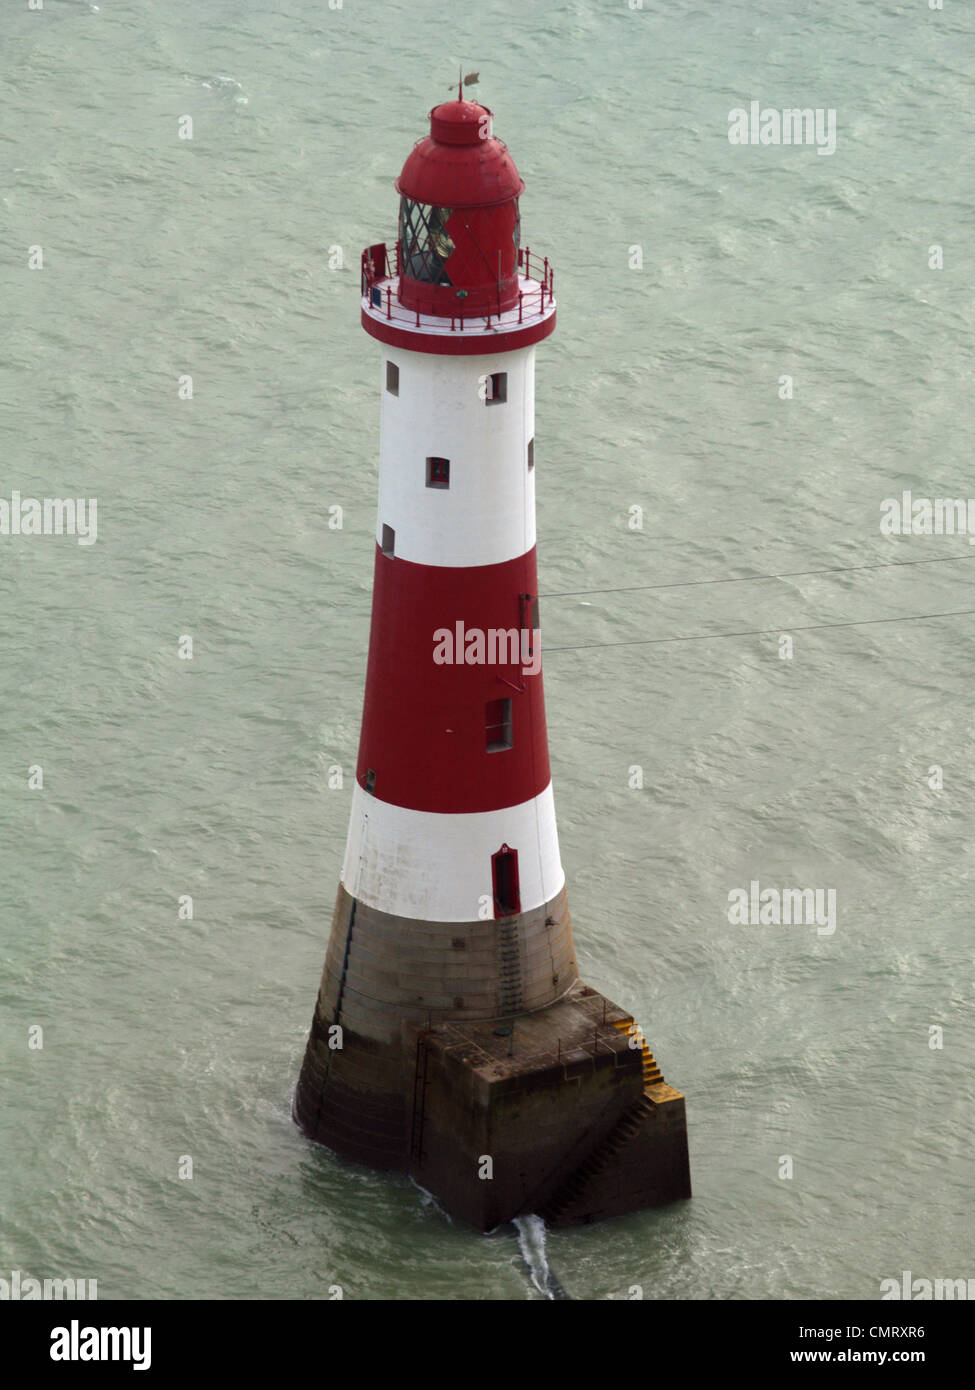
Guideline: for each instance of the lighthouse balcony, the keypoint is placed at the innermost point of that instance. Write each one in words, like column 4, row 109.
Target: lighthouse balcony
column 531, row 317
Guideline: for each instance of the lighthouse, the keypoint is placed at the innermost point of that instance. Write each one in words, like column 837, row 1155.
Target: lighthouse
column 453, row 1038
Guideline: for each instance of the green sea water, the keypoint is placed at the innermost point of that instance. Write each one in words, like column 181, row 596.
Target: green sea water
column 693, row 276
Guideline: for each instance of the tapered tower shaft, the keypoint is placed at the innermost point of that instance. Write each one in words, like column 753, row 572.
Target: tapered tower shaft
column 451, row 928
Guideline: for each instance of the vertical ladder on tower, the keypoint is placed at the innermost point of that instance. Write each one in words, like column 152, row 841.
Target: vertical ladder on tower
column 419, row 1101
column 338, row 1012
column 509, row 968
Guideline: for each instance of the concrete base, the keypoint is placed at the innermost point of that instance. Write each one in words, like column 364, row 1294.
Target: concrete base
column 553, row 1112
column 545, row 1113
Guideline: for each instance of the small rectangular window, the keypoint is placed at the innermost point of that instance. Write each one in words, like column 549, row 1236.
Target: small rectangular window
column 497, row 725
column 392, row 378
column 438, row 472
column 531, row 452
column 497, row 388
column 389, row 541
column 370, row 781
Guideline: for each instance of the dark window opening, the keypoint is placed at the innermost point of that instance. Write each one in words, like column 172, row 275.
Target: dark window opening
column 438, row 472
column 424, row 243
column 531, row 452
column 497, row 388
column 497, row 725
column 504, row 872
column 370, row 780
column 389, row 541
column 392, row 378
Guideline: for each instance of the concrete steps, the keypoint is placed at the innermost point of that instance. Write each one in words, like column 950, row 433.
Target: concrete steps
column 576, row 1186
column 582, row 1178
column 652, row 1075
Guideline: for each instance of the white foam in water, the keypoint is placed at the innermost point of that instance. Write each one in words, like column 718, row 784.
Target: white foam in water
column 531, row 1240
column 429, row 1200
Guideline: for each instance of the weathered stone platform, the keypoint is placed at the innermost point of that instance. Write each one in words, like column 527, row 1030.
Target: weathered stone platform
column 552, row 1112
column 452, row 1051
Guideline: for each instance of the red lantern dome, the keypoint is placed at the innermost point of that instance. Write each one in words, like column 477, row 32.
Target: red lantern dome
column 458, row 224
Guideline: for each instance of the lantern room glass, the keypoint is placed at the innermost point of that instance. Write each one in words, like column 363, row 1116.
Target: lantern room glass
column 424, row 243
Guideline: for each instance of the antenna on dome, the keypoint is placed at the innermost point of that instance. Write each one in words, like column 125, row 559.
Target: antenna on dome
column 468, row 81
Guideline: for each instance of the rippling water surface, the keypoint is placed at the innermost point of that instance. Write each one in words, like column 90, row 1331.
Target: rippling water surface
column 660, row 390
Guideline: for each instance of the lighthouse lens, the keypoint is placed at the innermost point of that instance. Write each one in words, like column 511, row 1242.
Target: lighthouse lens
column 424, row 243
